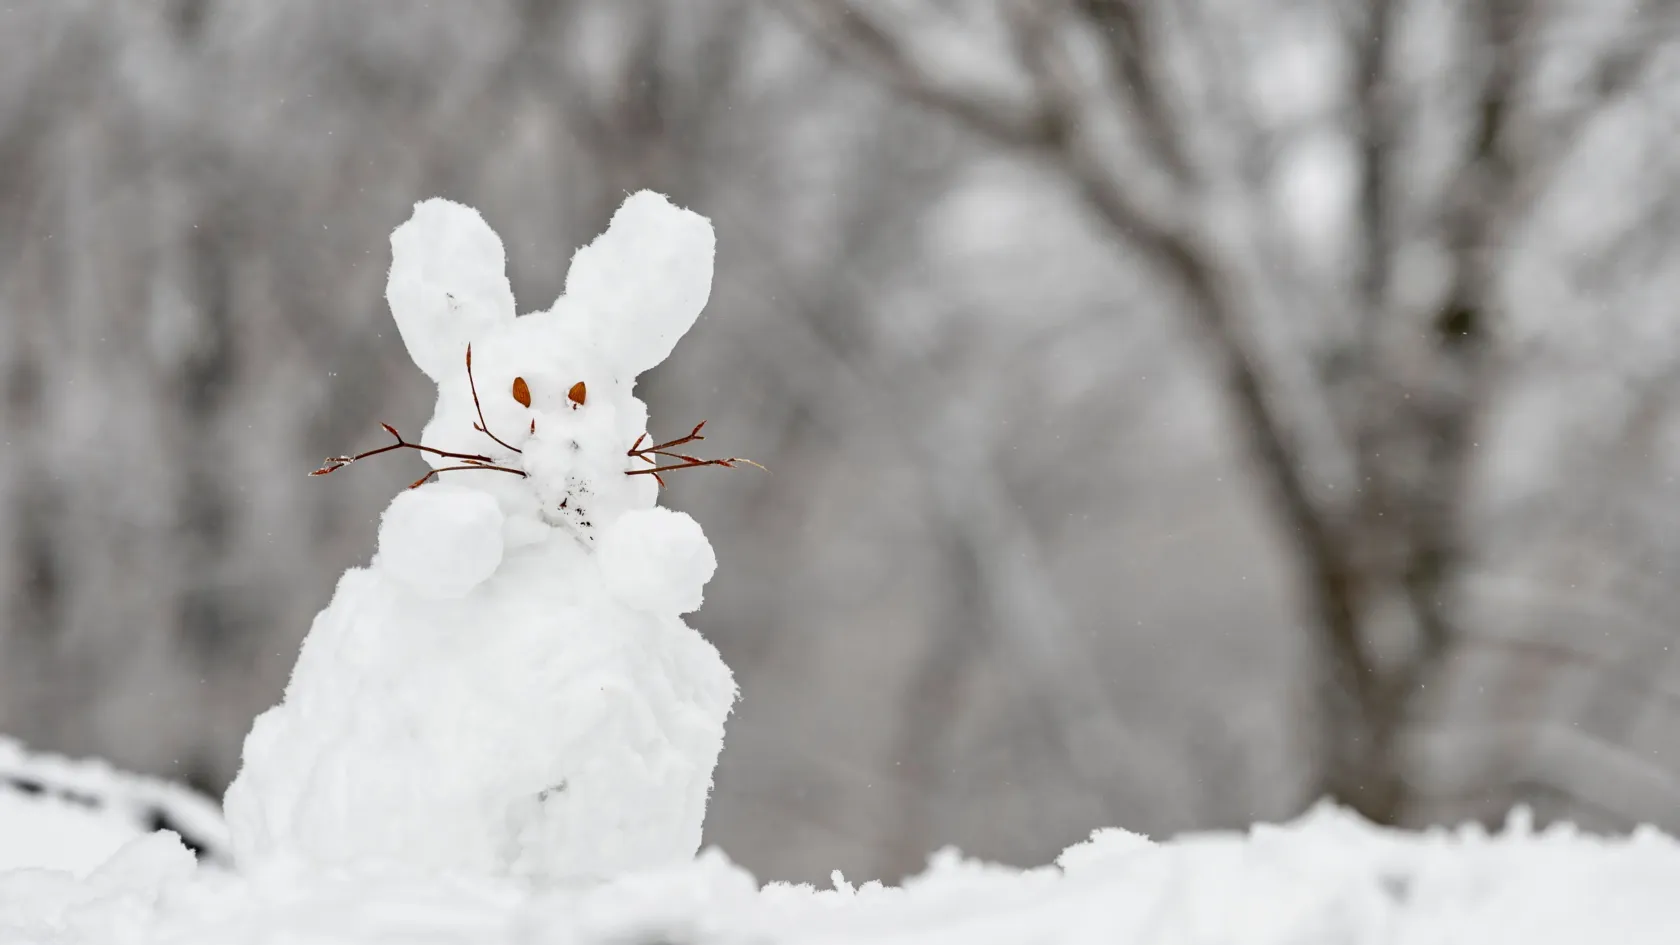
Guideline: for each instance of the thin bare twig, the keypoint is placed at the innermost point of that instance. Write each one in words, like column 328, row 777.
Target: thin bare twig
column 481, row 426
column 469, row 460
column 434, row 473
column 684, row 461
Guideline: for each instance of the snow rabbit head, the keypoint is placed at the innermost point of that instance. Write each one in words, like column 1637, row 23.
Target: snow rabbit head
column 554, row 388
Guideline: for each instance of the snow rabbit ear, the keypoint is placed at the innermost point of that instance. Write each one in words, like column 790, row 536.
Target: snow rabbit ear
column 643, row 282
column 448, row 284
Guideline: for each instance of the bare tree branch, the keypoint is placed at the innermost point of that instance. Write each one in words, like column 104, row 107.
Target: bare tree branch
column 1135, row 76
column 1614, row 76
column 1378, row 137
column 846, row 30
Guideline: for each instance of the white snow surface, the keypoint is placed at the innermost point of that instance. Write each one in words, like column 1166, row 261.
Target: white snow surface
column 48, row 831
column 508, row 689
column 1328, row 879
column 72, row 815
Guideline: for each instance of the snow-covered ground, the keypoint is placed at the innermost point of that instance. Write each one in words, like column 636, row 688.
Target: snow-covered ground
column 67, row 814
column 49, row 831
column 1327, row 878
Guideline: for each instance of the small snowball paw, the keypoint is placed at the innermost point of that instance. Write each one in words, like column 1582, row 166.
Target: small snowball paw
column 441, row 540
column 656, row 560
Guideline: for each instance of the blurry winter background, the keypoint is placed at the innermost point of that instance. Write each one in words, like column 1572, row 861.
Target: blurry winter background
column 1177, row 410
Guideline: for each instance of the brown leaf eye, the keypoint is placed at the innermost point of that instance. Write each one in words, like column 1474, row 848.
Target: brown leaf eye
column 521, row 392
column 578, row 393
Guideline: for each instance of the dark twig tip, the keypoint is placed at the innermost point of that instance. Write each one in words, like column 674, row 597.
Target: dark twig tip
column 682, row 460
column 483, row 425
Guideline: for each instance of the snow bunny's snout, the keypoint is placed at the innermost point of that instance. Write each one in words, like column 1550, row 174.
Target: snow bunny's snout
column 565, row 422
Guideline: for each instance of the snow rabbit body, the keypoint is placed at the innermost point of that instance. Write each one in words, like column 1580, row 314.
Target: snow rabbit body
column 509, row 688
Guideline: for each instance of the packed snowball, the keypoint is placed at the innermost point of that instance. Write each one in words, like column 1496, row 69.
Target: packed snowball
column 508, row 689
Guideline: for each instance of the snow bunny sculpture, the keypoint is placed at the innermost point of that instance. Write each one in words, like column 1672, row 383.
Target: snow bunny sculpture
column 508, row 689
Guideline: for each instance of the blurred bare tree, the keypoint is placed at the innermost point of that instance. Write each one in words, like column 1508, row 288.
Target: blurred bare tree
column 1406, row 263
column 1336, row 195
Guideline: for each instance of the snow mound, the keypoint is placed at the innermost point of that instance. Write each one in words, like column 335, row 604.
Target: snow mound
column 1327, row 878
column 63, row 814
column 48, row 831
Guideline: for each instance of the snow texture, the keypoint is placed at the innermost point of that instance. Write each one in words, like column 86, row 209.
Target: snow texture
column 508, row 690
column 1328, row 879
column 441, row 541
column 60, row 814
